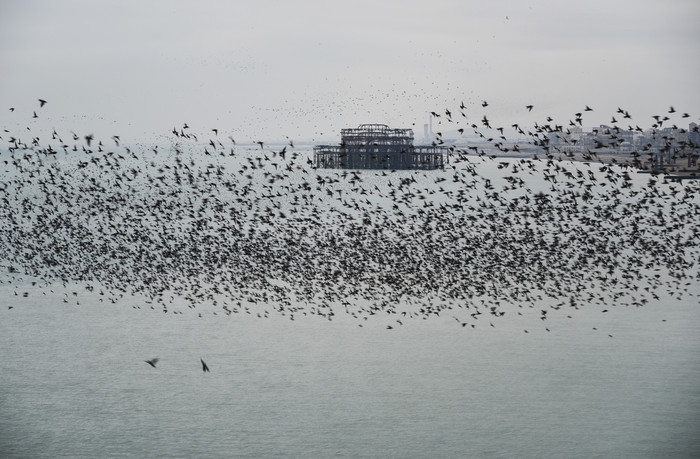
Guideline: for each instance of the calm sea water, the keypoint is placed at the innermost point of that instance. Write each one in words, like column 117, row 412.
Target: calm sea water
column 73, row 383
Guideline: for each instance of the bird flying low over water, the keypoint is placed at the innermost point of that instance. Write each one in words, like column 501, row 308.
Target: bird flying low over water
column 152, row 362
column 205, row 368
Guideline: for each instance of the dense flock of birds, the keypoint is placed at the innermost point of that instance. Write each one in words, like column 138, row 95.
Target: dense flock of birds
column 207, row 224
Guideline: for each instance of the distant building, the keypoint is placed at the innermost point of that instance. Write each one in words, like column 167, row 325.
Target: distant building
column 377, row 146
column 603, row 139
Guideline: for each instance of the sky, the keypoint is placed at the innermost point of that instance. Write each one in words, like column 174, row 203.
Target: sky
column 272, row 70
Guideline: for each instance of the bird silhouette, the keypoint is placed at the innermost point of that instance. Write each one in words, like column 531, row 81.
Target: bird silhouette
column 152, row 362
column 205, row 368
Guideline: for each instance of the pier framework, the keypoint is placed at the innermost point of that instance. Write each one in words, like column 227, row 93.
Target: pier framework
column 377, row 146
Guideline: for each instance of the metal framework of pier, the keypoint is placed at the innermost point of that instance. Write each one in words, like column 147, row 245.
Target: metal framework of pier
column 377, row 146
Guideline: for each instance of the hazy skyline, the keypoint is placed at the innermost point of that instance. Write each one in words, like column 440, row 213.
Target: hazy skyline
column 267, row 70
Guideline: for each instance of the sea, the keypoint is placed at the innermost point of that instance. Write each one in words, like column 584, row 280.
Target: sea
column 74, row 381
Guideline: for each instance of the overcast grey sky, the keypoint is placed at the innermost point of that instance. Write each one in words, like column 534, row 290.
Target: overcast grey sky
column 263, row 70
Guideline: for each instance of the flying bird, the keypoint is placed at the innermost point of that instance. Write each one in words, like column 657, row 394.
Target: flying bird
column 205, row 368
column 152, row 362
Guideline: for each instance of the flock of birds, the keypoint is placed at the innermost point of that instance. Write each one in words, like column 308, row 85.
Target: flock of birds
column 211, row 225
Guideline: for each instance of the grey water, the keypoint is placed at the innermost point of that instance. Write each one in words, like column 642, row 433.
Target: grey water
column 74, row 383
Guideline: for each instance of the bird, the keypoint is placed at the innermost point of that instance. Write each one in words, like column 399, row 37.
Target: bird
column 529, row 107
column 42, row 102
column 152, row 362
column 205, row 368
